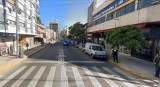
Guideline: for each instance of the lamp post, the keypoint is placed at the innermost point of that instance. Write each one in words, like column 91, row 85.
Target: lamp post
column 17, row 36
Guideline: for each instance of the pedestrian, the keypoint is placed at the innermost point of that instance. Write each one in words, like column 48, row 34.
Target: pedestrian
column 11, row 49
column 115, row 54
column 156, row 61
column 27, row 45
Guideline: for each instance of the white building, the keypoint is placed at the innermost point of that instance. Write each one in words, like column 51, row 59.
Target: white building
column 27, row 17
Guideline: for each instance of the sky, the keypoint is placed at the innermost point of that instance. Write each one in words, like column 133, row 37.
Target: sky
column 67, row 12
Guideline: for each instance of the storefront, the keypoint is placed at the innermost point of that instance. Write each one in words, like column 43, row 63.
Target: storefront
column 7, row 43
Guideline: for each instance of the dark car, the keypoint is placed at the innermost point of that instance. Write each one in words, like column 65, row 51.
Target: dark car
column 66, row 43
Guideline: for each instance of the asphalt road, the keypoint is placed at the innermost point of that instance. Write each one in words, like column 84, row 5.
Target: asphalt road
column 66, row 66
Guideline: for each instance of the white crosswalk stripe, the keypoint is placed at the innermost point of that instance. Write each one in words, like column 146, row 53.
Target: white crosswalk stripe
column 50, row 77
column 118, row 77
column 92, row 78
column 36, row 77
column 12, row 76
column 131, row 77
column 110, row 82
column 78, row 78
column 64, row 78
column 77, row 75
column 23, row 77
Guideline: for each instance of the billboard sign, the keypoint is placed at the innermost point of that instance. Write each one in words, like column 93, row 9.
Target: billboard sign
column 112, row 6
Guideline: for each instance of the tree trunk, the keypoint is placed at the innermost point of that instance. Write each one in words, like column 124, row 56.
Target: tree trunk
column 132, row 52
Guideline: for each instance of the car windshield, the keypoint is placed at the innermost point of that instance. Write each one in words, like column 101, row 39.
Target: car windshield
column 98, row 48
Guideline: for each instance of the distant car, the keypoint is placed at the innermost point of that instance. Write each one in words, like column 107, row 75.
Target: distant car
column 82, row 47
column 77, row 44
column 95, row 51
column 66, row 43
column 72, row 42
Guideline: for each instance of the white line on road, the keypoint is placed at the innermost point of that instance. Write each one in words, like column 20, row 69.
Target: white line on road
column 22, row 78
column 64, row 78
column 105, row 77
column 92, row 78
column 50, row 77
column 64, row 62
column 78, row 78
column 12, row 76
column 118, row 77
column 36, row 77
column 131, row 77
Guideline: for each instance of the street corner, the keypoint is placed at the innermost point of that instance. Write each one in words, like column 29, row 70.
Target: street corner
column 10, row 64
column 130, row 70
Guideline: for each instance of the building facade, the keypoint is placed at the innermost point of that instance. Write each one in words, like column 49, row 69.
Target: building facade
column 54, row 25
column 113, row 14
column 27, row 26
column 50, row 35
column 41, row 35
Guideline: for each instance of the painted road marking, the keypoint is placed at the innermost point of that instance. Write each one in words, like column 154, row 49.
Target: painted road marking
column 91, row 78
column 64, row 78
column 36, row 77
column 22, row 78
column 50, row 77
column 100, row 73
column 131, row 77
column 64, row 62
column 77, row 77
column 12, row 76
column 118, row 77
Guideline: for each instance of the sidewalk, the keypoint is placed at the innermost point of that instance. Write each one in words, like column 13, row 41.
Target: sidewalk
column 7, row 62
column 134, row 65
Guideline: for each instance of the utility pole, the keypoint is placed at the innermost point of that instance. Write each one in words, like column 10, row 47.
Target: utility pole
column 17, row 36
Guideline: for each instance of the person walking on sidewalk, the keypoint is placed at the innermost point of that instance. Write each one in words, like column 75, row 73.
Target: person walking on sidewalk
column 115, row 54
column 27, row 45
column 156, row 61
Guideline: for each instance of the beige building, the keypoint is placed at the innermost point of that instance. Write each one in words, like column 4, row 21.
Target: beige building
column 113, row 14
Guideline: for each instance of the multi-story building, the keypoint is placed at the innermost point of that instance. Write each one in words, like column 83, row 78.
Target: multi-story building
column 50, row 35
column 112, row 14
column 27, row 27
column 54, row 25
column 41, row 35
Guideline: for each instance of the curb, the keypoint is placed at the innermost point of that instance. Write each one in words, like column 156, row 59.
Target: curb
column 129, row 70
column 5, row 67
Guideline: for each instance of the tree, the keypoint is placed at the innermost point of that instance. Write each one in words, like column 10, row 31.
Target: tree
column 76, row 31
column 130, row 36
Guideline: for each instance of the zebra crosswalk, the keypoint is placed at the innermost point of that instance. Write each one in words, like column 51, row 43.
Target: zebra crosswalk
column 112, row 77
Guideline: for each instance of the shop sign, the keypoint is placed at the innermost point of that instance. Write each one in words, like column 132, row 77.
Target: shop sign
column 112, row 6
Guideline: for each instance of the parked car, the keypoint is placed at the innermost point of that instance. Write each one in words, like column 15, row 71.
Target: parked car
column 95, row 51
column 76, row 44
column 72, row 42
column 66, row 43
column 82, row 47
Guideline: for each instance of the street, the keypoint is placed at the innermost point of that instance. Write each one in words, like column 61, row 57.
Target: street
column 66, row 66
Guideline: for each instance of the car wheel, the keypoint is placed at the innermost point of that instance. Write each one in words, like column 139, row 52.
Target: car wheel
column 92, row 56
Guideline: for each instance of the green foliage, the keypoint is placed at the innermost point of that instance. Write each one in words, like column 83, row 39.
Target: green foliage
column 39, row 20
column 130, row 36
column 76, row 31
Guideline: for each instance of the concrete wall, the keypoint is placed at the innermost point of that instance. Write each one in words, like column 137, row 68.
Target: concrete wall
column 98, row 8
column 149, row 14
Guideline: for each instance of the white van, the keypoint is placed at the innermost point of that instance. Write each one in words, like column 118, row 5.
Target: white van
column 95, row 51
